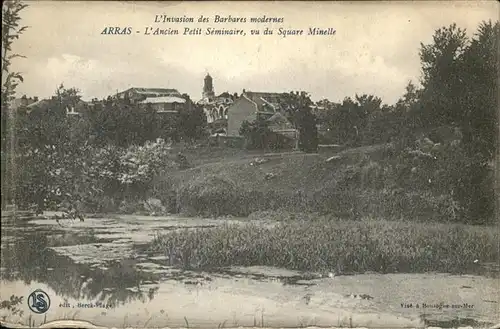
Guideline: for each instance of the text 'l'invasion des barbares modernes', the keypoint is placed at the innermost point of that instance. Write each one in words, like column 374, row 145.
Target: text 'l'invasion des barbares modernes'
column 153, row 30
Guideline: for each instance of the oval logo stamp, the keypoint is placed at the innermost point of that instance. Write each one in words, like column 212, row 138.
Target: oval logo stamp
column 39, row 301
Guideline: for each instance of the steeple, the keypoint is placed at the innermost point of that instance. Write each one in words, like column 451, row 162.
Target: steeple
column 208, row 87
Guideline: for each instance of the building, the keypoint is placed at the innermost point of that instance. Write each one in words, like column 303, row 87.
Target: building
column 165, row 104
column 135, row 94
column 166, row 101
column 215, row 107
column 73, row 110
column 208, row 88
column 23, row 102
column 252, row 105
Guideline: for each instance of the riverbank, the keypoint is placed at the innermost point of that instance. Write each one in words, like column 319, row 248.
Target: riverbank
column 116, row 260
column 243, row 301
column 335, row 246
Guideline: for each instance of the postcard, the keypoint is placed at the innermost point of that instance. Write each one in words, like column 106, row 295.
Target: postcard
column 250, row 164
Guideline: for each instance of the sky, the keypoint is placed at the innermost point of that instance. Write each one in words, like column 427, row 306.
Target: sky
column 374, row 49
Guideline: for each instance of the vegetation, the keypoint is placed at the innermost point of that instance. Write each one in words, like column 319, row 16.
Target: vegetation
column 257, row 133
column 96, row 160
column 12, row 305
column 453, row 107
column 368, row 181
column 437, row 163
column 327, row 244
column 10, row 31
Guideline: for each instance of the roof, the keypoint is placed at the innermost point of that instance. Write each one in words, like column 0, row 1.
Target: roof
column 39, row 103
column 279, row 121
column 226, row 95
column 164, row 99
column 152, row 91
column 21, row 102
column 266, row 102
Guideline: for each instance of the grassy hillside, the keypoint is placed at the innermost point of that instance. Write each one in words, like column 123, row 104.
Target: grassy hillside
column 353, row 183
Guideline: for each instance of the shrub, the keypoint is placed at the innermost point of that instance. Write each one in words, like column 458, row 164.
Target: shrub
column 209, row 195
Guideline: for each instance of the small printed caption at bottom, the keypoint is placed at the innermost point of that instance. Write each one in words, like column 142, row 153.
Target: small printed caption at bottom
column 86, row 305
column 439, row 306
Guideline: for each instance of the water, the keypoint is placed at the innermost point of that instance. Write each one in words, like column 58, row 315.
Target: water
column 106, row 262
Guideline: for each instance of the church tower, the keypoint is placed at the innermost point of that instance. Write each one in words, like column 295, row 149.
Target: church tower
column 208, row 88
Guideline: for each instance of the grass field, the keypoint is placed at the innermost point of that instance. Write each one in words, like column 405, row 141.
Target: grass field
column 339, row 246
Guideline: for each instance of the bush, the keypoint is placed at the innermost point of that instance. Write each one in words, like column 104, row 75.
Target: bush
column 209, row 195
column 90, row 179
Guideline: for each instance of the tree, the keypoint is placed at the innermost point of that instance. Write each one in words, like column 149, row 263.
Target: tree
column 192, row 122
column 297, row 106
column 347, row 121
column 478, row 121
column 459, row 90
column 256, row 133
column 308, row 132
column 479, row 95
column 442, row 76
column 10, row 31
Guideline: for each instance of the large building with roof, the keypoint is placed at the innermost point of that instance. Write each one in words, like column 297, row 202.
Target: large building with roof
column 252, row 105
column 162, row 100
column 139, row 94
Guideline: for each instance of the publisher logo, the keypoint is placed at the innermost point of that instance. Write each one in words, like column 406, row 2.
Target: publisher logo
column 39, row 301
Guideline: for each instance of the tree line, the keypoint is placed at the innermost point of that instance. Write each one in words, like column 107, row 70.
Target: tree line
column 454, row 105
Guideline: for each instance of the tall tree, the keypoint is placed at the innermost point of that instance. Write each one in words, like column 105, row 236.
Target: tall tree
column 308, row 132
column 192, row 120
column 10, row 31
column 297, row 106
column 256, row 133
column 478, row 102
column 460, row 91
column 442, row 76
column 10, row 79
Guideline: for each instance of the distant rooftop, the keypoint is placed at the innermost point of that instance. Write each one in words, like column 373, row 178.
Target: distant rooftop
column 265, row 101
column 151, row 91
column 163, row 99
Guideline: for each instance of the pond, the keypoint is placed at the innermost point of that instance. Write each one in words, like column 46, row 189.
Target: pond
column 101, row 271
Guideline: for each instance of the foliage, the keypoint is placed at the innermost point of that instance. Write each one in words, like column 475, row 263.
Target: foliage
column 257, row 133
column 298, row 108
column 357, row 121
column 210, row 195
column 10, row 31
column 308, row 132
column 460, row 90
column 121, row 123
column 139, row 164
column 78, row 162
column 12, row 305
column 192, row 121
column 84, row 178
column 327, row 244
